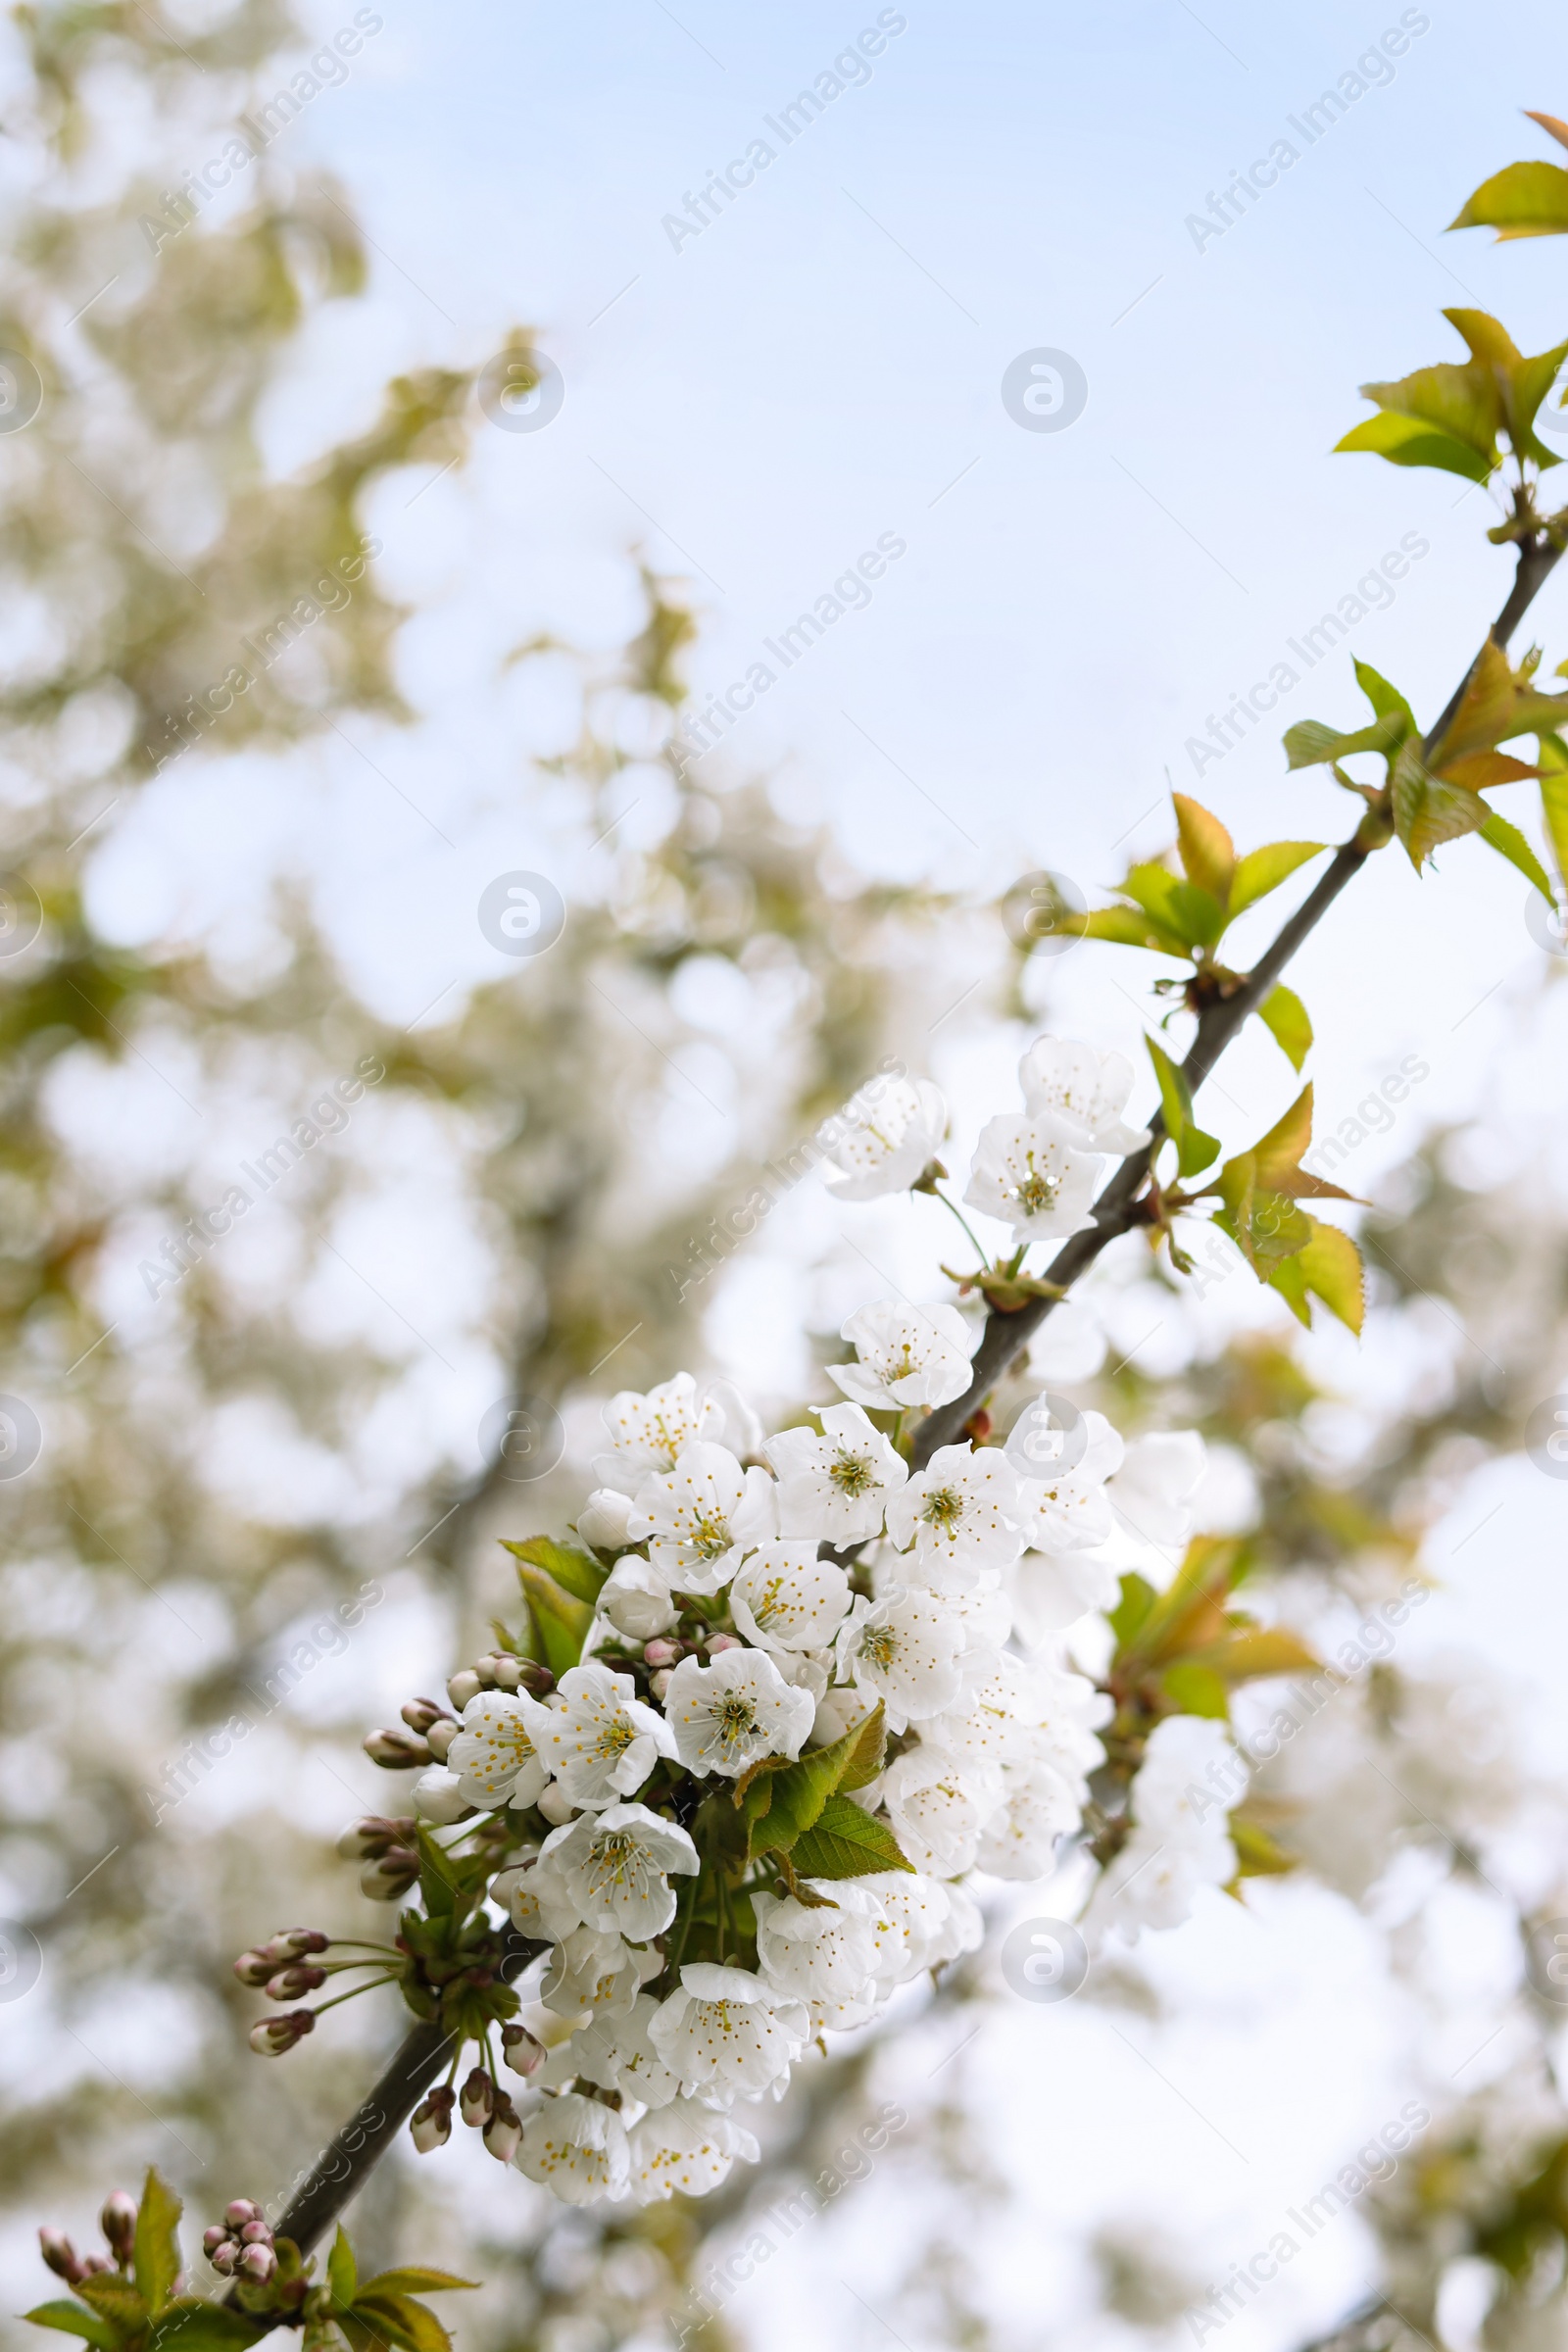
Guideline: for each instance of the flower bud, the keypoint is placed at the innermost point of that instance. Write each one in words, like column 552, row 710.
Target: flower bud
column 439, row 1795
column 508, row 1670
column 275, row 2035
column 224, row 2258
column 478, row 2097
column 419, row 1713
column 536, row 1680
column 118, row 2222
column 430, row 2124
column 213, row 2238
column 522, row 2054
column 255, row 2234
column 294, row 1982
column 396, row 1752
column 253, row 1968
column 464, row 1685
column 364, row 1840
column 659, row 1683
column 718, row 1641
column 242, row 2210
column 391, row 1875
column 60, row 2254
column 257, row 2263
column 555, row 1805
column 291, row 1944
column 94, row 2264
column 504, row 2130
column 485, row 1669
column 661, row 1652
column 439, row 1737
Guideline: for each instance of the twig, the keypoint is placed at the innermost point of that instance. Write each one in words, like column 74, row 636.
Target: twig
column 1115, row 1212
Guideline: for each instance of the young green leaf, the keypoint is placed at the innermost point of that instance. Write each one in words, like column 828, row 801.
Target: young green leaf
column 1131, row 927
column 1327, row 1266
column 397, row 2320
column 155, row 2252
column 1207, row 851
column 1522, row 200
column 1427, row 811
column 1262, row 870
column 342, row 2270
column 1511, row 843
column 575, row 1572
column 190, row 2323
column 846, row 1842
column 1195, row 1150
column 75, row 2319
column 559, row 1621
column 415, row 2281
column 1285, row 1017
column 1256, row 1854
column 1196, row 1689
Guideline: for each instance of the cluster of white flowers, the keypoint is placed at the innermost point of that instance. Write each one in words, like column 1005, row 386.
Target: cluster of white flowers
column 765, row 1598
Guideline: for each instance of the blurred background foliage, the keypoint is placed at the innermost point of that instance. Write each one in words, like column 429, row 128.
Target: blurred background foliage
column 229, row 1462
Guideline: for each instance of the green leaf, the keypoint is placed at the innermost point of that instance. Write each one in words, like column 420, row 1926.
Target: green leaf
column 575, row 1572
column 1196, row 1689
column 1207, row 851
column 415, row 2281
column 846, row 1842
column 342, row 2270
column 1522, row 200
column 559, row 1619
column 190, row 2323
column 1285, row 1017
column 1328, row 1267
column 1405, row 441
column 75, row 2319
column 1195, row 1150
column 1179, row 909
column 1551, row 756
column 1263, row 871
column 1386, row 700
column 1256, row 1854
column 156, row 2250
column 1511, row 843
column 789, row 1797
column 1427, row 811
column 1311, row 743
column 1131, row 1612
column 870, row 1753
column 115, row 2299
column 399, row 2320
column 1131, row 927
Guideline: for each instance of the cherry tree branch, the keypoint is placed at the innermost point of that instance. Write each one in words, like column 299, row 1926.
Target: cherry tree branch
column 1117, row 1210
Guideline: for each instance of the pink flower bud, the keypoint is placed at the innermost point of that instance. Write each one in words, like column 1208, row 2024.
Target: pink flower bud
column 464, row 1685
column 718, row 1641
column 255, row 2234
column 439, row 1737
column 292, row 1984
column 290, row 1944
column 504, row 2131
column 430, row 2125
column 60, row 2254
column 420, row 1713
column 659, row 1683
column 253, row 1968
column 385, row 1879
column 522, row 2054
column 95, row 2264
column 242, row 2210
column 396, row 1752
column 213, row 2238
column 275, row 2035
column 224, row 2258
column 661, row 1653
column 508, row 1670
column 257, row 2263
column 478, row 2097
column 118, row 2222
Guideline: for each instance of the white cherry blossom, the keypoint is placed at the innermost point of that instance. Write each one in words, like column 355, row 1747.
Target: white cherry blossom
column 822, row 1955
column 1084, row 1087
column 1153, row 1492
column 835, row 1487
column 903, row 1649
column 636, row 1599
column 1061, row 1477
column 732, row 1712
column 600, row 1740
column 1037, row 1807
column 604, row 1520
column 884, row 1138
column 613, row 1867
column 701, row 1517
column 1033, row 1175
column 907, row 1355
column 494, row 1755
column 961, row 1513
column 685, row 2149
column 725, row 2032
column 536, row 1897
column 617, row 2054
column 596, row 1972
column 576, row 2148
column 938, row 1807
column 648, row 1433
column 908, row 1916
column 785, row 1598
column 991, row 1722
